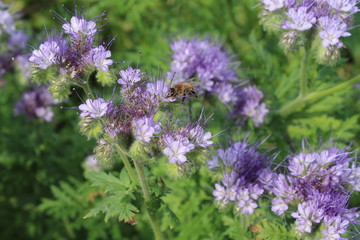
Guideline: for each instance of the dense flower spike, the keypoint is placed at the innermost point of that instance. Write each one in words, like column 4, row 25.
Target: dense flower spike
column 36, row 104
column 244, row 170
column 330, row 19
column 319, row 184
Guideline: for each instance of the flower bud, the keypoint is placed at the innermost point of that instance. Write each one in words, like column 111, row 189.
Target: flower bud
column 90, row 127
column 104, row 152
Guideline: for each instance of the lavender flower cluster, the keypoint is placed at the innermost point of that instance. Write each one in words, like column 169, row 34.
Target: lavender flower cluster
column 15, row 41
column 315, row 191
column 74, row 52
column 245, row 175
column 328, row 19
column 137, row 115
column 215, row 69
column 71, row 54
column 36, row 104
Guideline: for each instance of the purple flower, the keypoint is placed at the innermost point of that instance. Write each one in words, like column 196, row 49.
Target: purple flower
column 129, row 76
column 46, row 55
column 98, row 56
column 35, row 104
column 301, row 19
column 6, row 22
column 332, row 30
column 243, row 185
column 79, row 28
column 343, row 5
column 145, row 128
column 176, row 148
column 248, row 104
column 94, row 108
column 273, row 5
column 160, row 90
column 203, row 59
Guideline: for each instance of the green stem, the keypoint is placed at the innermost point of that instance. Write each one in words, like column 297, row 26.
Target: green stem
column 147, row 197
column 324, row 93
column 304, row 72
column 296, row 103
column 126, row 162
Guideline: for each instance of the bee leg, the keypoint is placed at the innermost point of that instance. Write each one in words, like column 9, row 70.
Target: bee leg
column 183, row 99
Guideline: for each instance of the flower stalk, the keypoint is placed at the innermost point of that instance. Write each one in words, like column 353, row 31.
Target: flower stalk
column 296, row 103
column 147, row 199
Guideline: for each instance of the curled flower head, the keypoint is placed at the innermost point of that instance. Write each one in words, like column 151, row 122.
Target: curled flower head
column 94, row 108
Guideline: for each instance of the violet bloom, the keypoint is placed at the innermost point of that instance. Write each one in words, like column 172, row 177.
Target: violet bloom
column 36, row 104
column 6, row 22
column 46, row 55
column 145, row 128
column 94, row 108
column 160, row 90
column 343, row 5
column 300, row 19
column 332, row 30
column 203, row 59
column 273, row 5
column 176, row 148
column 242, row 186
column 79, row 28
column 248, row 104
column 98, row 56
column 129, row 76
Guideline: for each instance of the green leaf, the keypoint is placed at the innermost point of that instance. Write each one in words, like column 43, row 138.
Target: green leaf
column 114, row 206
column 111, row 183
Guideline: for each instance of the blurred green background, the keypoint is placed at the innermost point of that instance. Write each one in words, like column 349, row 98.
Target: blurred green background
column 43, row 192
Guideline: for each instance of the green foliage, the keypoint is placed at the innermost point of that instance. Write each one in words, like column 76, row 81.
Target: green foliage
column 119, row 196
column 271, row 230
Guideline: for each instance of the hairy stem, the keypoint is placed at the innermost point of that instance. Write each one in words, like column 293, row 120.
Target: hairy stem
column 296, row 103
column 126, row 162
column 304, row 72
column 147, row 197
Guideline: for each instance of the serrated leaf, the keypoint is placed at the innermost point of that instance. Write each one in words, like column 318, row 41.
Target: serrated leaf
column 114, row 206
column 111, row 183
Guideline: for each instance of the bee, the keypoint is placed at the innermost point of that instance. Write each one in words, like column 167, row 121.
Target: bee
column 183, row 89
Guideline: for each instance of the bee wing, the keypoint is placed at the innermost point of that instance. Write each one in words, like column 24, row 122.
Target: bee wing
column 193, row 81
